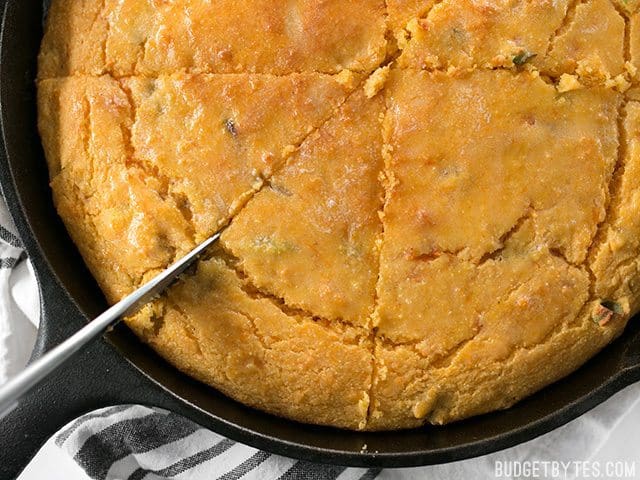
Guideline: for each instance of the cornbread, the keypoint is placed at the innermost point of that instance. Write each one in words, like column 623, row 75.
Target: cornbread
column 432, row 208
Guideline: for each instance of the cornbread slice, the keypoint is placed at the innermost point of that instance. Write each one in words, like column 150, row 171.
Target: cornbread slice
column 114, row 151
column 147, row 37
column 234, row 131
column 464, row 297
column 468, row 33
column 480, row 145
column 311, row 236
column 247, row 347
column 582, row 38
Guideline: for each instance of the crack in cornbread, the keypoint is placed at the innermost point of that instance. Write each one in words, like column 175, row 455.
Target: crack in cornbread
column 613, row 194
column 256, row 292
column 431, row 204
column 565, row 24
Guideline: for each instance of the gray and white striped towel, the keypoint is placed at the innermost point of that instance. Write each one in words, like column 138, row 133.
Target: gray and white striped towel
column 135, row 442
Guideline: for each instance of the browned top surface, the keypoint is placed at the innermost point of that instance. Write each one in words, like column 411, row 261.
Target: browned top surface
column 433, row 205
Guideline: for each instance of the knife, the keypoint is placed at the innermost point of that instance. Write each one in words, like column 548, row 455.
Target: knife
column 15, row 388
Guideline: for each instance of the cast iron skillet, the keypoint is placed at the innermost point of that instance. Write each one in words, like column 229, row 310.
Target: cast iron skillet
column 123, row 370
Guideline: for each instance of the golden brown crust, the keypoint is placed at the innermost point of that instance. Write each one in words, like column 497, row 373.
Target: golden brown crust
column 582, row 38
column 73, row 39
column 242, row 127
column 148, row 37
column 433, row 205
column 499, row 166
column 119, row 216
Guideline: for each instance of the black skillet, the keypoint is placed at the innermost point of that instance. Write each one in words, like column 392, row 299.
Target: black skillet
column 123, row 370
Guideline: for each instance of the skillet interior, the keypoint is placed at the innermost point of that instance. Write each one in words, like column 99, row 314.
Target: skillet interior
column 102, row 377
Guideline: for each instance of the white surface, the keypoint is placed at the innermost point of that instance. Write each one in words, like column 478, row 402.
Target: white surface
column 19, row 307
column 50, row 464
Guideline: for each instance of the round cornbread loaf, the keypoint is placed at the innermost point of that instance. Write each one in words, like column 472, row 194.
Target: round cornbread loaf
column 432, row 207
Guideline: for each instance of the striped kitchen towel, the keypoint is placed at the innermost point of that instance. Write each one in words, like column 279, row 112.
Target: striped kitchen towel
column 134, row 442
